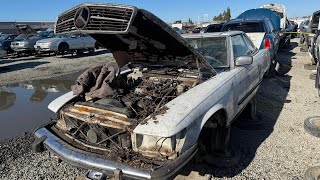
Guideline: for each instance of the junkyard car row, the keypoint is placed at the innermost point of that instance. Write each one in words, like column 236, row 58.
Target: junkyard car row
column 170, row 94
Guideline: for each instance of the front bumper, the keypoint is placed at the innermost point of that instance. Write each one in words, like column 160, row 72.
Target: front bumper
column 21, row 48
column 45, row 48
column 99, row 163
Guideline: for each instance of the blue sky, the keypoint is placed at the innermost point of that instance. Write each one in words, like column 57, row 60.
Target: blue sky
column 168, row 10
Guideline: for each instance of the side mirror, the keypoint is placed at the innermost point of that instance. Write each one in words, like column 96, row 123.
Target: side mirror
column 244, row 60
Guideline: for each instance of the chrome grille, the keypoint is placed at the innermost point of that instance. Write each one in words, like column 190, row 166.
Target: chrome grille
column 104, row 18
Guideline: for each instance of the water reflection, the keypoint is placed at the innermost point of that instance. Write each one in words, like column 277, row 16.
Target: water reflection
column 23, row 107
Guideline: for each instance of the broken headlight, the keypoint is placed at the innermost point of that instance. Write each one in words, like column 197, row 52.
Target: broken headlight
column 153, row 146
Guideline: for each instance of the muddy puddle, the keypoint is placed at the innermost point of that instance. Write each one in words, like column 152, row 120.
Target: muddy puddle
column 23, row 106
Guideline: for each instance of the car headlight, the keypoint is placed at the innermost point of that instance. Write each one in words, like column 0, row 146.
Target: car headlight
column 153, row 146
column 47, row 43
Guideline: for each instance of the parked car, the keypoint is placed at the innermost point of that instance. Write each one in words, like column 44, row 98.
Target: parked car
column 25, row 32
column 179, row 31
column 4, row 37
column 294, row 28
column 260, row 31
column 27, row 45
column 312, row 40
column 172, row 93
column 212, row 28
column 285, row 26
column 64, row 43
column 304, row 27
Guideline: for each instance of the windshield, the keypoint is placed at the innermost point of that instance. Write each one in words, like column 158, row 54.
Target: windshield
column 3, row 36
column 42, row 34
column 214, row 49
column 245, row 27
column 63, row 35
column 21, row 37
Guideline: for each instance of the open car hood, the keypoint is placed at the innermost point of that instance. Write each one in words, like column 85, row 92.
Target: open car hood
column 25, row 29
column 131, row 34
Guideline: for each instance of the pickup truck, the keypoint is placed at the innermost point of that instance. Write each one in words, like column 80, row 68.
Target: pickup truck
column 170, row 94
column 64, row 43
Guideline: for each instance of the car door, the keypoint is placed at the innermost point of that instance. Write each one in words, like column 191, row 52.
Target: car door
column 88, row 41
column 248, row 75
column 75, row 42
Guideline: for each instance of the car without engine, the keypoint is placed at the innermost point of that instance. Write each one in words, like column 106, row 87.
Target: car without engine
column 144, row 117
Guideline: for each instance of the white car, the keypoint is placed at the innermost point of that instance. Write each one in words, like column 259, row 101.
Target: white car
column 173, row 93
column 64, row 43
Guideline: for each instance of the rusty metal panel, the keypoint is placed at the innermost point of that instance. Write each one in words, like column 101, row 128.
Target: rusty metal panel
column 99, row 116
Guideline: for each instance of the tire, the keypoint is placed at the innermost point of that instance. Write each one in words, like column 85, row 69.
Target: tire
column 63, row 48
column 317, row 82
column 312, row 173
column 250, row 111
column 302, row 40
column 226, row 160
column 214, row 143
column 312, row 125
column 309, row 67
column 312, row 76
column 91, row 50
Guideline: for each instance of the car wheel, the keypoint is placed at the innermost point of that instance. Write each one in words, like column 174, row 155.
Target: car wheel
column 214, row 144
column 63, row 48
column 91, row 50
column 317, row 82
column 250, row 111
column 302, row 40
column 312, row 173
column 313, row 61
column 312, row 125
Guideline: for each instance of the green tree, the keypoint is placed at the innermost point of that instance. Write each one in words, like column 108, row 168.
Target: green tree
column 225, row 16
column 228, row 14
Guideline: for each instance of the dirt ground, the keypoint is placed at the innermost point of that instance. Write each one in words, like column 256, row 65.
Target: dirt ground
column 15, row 70
column 275, row 146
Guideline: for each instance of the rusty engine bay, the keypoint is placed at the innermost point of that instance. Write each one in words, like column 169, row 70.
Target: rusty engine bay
column 161, row 66
column 104, row 125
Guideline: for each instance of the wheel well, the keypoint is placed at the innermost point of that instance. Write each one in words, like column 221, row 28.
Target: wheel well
column 222, row 116
column 62, row 44
column 217, row 120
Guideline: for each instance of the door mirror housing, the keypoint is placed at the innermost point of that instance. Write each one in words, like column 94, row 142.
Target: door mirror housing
column 244, row 60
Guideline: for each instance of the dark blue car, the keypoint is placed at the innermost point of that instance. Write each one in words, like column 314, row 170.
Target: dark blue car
column 261, row 32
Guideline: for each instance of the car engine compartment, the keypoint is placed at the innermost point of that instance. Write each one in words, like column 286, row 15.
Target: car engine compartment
column 104, row 125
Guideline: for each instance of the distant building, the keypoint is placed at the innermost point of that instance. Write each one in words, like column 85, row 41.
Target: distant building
column 9, row 28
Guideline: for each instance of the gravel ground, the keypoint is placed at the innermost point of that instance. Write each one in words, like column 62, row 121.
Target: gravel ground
column 34, row 68
column 274, row 146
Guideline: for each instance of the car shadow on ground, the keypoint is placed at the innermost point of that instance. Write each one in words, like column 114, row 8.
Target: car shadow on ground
column 12, row 60
column 248, row 135
column 20, row 66
column 80, row 55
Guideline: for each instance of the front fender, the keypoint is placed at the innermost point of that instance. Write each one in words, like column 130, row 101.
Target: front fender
column 58, row 103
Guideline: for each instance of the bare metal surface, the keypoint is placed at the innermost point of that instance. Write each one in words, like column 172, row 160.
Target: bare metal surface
column 78, row 156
